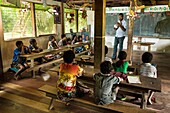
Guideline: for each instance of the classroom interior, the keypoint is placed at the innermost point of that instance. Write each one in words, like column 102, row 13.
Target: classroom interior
column 24, row 19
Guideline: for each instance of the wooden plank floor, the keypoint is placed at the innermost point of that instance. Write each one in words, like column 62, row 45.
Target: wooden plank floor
column 22, row 96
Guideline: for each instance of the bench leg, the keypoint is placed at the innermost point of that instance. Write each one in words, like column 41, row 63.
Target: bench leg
column 33, row 73
column 51, row 104
column 144, row 100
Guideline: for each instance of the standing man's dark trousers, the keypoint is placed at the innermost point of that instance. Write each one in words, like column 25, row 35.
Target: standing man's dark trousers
column 118, row 40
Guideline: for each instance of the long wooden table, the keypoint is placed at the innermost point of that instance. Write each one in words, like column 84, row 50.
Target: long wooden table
column 33, row 56
column 147, row 84
column 148, row 44
column 90, row 62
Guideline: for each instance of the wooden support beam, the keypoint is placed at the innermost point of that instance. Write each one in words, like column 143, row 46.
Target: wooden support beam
column 77, row 18
column 1, row 43
column 34, row 30
column 100, row 26
column 62, row 18
column 130, row 33
column 153, row 2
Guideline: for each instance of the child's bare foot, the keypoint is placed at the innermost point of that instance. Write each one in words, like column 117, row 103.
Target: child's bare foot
column 149, row 102
column 1, row 88
column 16, row 77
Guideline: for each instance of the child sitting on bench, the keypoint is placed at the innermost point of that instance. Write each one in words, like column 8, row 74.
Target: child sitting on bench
column 147, row 69
column 35, row 49
column 121, row 65
column 68, row 73
column 105, row 92
column 52, row 43
column 19, row 62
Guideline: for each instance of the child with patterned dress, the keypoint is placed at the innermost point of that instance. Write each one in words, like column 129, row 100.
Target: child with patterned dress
column 147, row 69
column 68, row 73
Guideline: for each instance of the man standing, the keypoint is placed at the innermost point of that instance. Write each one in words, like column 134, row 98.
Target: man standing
column 120, row 28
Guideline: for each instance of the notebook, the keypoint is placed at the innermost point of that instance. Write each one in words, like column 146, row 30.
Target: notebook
column 134, row 79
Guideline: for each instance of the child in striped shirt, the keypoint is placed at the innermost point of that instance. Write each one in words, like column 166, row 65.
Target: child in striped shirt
column 147, row 69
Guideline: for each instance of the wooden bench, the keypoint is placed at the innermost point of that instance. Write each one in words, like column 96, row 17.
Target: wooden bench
column 50, row 91
column 36, row 67
column 89, row 82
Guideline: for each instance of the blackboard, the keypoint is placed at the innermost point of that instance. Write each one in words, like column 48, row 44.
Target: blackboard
column 146, row 24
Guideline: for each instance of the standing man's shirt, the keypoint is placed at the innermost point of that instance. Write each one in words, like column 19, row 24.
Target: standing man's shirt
column 119, row 31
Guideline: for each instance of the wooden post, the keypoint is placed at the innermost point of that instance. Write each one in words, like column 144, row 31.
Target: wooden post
column 62, row 18
column 34, row 30
column 1, row 41
column 130, row 33
column 77, row 18
column 99, row 40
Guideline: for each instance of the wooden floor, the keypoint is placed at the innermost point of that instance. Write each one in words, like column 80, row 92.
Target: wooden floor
column 22, row 96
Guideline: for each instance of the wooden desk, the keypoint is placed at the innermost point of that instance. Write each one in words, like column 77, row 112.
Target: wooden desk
column 81, row 61
column 33, row 56
column 78, row 45
column 90, row 62
column 148, row 44
column 147, row 84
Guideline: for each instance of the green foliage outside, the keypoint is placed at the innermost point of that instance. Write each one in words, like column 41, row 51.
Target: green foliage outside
column 82, row 22
column 44, row 22
column 69, row 25
column 16, row 23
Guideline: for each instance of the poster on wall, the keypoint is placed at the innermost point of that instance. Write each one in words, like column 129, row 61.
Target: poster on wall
column 57, row 15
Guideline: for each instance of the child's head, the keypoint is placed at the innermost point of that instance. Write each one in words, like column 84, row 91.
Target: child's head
column 33, row 42
column 68, row 56
column 87, row 38
column 106, row 67
column 74, row 37
column 147, row 57
column 106, row 50
column 63, row 36
column 79, row 38
column 19, row 44
column 122, row 55
column 69, row 41
column 51, row 38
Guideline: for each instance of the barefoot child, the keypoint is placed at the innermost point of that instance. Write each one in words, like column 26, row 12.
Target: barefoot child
column 105, row 92
column 19, row 62
column 147, row 69
column 68, row 73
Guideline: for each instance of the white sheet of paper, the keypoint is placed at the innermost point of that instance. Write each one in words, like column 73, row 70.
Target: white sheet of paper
column 45, row 76
column 134, row 79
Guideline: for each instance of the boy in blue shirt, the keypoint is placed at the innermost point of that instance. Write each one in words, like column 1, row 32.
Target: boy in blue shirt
column 19, row 62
